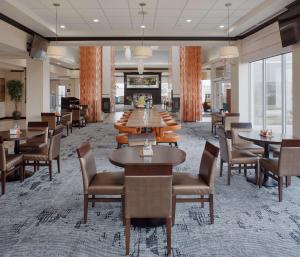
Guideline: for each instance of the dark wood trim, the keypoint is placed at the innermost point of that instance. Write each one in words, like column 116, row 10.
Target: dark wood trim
column 214, row 150
column 19, row 25
column 11, row 118
column 83, row 149
column 150, row 38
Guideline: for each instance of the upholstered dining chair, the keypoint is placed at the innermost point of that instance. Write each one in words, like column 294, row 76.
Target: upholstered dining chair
column 230, row 118
column 216, row 120
column 67, row 121
column 98, row 183
column 122, row 137
column 37, row 143
column 45, row 156
column 241, row 144
column 49, row 117
column 235, row 157
column 77, row 119
column 286, row 165
column 148, row 197
column 201, row 184
column 167, row 134
column 8, row 165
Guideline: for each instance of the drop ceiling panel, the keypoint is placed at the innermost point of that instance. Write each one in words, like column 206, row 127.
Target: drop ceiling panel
column 200, row 4
column 117, row 12
column 84, row 3
column 90, row 13
column 111, row 4
column 149, row 3
column 166, row 4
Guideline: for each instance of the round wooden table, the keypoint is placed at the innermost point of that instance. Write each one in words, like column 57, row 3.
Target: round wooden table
column 255, row 137
column 24, row 135
column 162, row 155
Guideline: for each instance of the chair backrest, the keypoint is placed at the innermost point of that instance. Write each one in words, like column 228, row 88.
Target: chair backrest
column 76, row 115
column 208, row 164
column 54, row 147
column 236, row 128
column 39, row 125
column 225, row 148
column 2, row 156
column 50, row 118
column 172, row 127
column 215, row 117
column 230, row 118
column 65, row 118
column 87, row 164
column 289, row 158
column 148, row 196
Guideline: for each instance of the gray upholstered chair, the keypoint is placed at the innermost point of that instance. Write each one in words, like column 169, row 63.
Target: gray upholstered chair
column 8, row 165
column 97, row 183
column 235, row 157
column 230, row 118
column 241, row 144
column 200, row 184
column 148, row 197
column 286, row 165
column 45, row 156
column 49, row 117
column 216, row 120
column 37, row 143
column 66, row 121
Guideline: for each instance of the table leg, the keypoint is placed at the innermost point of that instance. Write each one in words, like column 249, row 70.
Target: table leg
column 17, row 147
column 268, row 181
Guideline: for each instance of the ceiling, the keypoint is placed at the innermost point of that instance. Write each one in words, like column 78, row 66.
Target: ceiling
column 121, row 18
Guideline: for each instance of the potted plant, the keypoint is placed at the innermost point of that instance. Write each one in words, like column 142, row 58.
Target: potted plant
column 15, row 90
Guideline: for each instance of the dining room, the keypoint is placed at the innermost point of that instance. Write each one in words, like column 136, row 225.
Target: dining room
column 153, row 128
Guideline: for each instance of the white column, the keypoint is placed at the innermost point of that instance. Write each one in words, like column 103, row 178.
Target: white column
column 296, row 90
column 106, row 71
column 77, row 88
column 176, row 71
column 38, row 89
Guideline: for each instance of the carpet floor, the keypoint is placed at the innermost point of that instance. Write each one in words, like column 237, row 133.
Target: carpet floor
column 43, row 218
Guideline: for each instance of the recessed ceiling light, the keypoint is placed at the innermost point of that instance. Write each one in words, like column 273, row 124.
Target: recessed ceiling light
column 221, row 26
column 188, row 20
column 95, row 20
column 143, row 26
column 62, row 26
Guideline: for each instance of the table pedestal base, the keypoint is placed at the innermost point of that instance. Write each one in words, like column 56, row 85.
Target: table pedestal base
column 147, row 223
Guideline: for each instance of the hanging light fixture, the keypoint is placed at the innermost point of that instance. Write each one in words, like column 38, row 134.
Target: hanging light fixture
column 141, row 66
column 142, row 52
column 228, row 51
column 127, row 53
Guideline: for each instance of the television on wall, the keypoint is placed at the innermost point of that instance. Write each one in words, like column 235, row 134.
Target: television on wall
column 289, row 26
column 142, row 81
column 38, row 49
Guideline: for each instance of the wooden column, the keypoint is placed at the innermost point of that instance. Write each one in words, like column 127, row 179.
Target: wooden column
column 190, row 83
column 91, row 80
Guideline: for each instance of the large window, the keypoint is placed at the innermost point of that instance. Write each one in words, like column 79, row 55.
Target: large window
column 271, row 83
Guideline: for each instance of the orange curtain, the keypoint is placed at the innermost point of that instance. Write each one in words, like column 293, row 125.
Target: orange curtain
column 190, row 83
column 91, row 80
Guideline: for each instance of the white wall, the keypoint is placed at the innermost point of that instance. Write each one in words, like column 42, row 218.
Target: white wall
column 106, row 71
column 176, row 71
column 296, row 90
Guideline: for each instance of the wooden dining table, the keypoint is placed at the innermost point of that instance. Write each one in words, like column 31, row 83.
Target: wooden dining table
column 264, row 141
column 161, row 163
column 24, row 135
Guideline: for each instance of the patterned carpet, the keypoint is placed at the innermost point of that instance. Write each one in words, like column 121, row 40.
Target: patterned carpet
column 43, row 218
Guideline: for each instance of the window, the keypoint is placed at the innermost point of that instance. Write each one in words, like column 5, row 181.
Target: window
column 271, row 83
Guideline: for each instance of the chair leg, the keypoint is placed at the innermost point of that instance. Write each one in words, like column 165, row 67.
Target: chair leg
column 58, row 163
column 34, row 166
column 85, row 207
column 127, row 235
column 93, row 203
column 240, row 168
column 169, row 238
column 119, row 146
column 50, row 169
column 123, row 209
column 280, row 188
column 245, row 170
column 229, row 174
column 211, row 208
column 256, row 175
column 261, row 177
column 288, row 181
column 176, row 144
column 202, row 203
column 221, row 167
column 71, row 128
column 173, row 209
column 3, row 182
column 67, row 130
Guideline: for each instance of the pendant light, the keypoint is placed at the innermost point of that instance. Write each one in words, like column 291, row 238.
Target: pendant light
column 127, row 53
column 142, row 52
column 227, row 52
